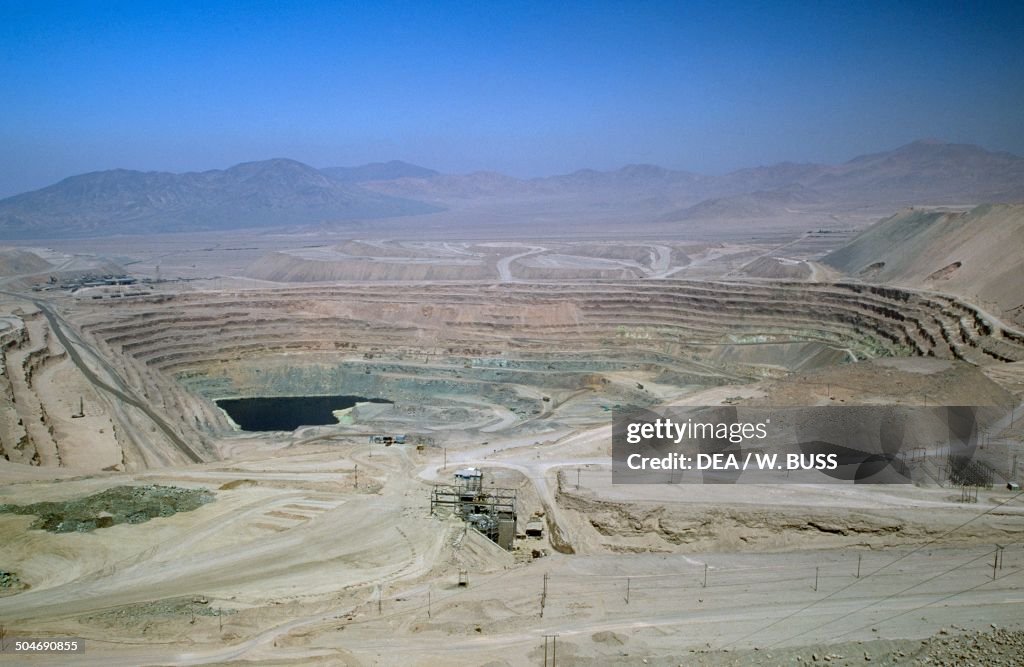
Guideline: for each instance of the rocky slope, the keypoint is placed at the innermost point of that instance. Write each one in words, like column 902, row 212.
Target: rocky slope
column 975, row 254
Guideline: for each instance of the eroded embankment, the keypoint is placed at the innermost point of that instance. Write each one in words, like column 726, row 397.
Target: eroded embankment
column 641, row 527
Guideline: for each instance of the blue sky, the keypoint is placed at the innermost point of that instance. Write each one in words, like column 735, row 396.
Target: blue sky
column 526, row 88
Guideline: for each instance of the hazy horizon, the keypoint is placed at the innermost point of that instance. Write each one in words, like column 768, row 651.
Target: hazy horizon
column 524, row 89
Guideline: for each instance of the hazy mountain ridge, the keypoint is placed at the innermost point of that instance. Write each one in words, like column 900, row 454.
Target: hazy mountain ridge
column 277, row 192
column 924, row 171
column 283, row 192
column 758, row 204
column 927, row 168
column 444, row 187
column 378, row 171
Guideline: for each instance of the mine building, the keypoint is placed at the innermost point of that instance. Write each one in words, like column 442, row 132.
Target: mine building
column 492, row 512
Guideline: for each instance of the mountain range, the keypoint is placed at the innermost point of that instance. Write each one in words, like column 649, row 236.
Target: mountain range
column 378, row 171
column 286, row 193
column 276, row 192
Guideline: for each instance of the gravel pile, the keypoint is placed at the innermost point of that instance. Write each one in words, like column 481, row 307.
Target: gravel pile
column 989, row 649
column 181, row 607
column 996, row 647
column 9, row 580
column 121, row 504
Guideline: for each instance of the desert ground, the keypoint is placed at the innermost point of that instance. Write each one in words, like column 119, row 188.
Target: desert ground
column 505, row 353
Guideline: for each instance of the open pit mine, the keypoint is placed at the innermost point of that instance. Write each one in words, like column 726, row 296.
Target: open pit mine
column 451, row 499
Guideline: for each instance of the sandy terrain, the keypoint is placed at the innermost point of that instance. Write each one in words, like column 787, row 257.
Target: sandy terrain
column 319, row 546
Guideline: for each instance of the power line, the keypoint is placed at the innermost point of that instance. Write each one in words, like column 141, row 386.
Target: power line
column 887, row 598
column 609, row 587
column 871, row 574
column 928, row 604
column 492, row 580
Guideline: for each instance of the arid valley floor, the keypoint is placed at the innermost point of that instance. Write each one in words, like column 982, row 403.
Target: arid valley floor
column 506, row 354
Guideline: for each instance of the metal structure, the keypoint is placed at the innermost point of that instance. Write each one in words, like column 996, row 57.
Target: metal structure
column 965, row 471
column 470, row 480
column 492, row 512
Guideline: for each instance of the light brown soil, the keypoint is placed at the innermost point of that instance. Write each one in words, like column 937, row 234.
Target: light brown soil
column 319, row 547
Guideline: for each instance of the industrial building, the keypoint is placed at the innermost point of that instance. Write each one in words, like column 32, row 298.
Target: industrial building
column 492, row 512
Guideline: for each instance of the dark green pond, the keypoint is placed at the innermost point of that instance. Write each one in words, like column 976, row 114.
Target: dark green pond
column 287, row 413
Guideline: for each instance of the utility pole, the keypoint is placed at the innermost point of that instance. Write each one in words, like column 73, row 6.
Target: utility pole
column 815, row 579
column 554, row 650
column 356, row 471
column 380, row 599
column 445, row 459
column 858, row 565
column 577, row 479
column 428, row 602
column 705, row 575
column 627, row 590
column 544, row 595
column 997, row 563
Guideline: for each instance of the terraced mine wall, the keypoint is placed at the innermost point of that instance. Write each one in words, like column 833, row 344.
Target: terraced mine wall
column 513, row 344
column 26, row 431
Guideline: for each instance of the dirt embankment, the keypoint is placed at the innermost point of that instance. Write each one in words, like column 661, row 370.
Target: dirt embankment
column 15, row 261
column 974, row 254
column 777, row 268
column 645, row 527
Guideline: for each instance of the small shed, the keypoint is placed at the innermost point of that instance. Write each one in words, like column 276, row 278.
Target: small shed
column 469, row 480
